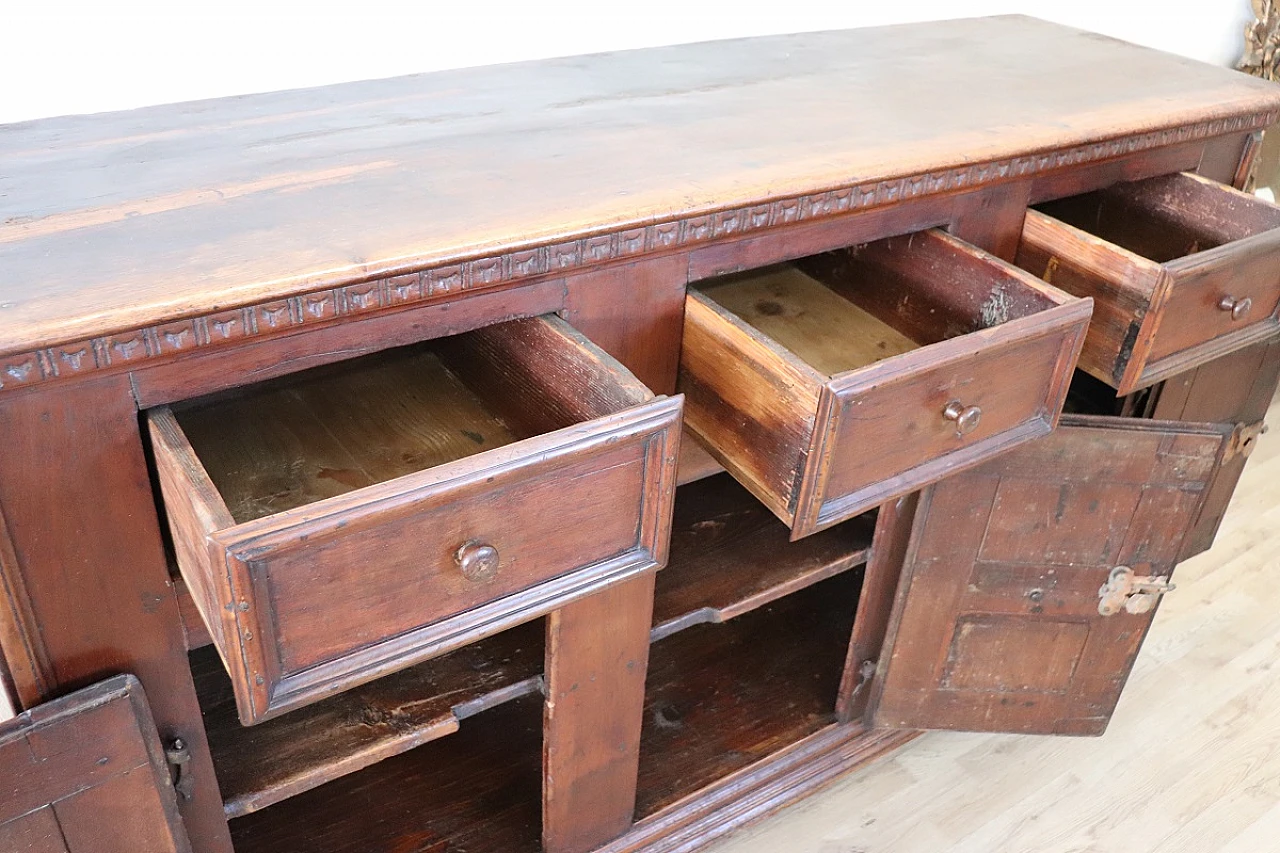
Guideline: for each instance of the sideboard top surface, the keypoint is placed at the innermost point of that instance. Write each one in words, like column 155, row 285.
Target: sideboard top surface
column 122, row 221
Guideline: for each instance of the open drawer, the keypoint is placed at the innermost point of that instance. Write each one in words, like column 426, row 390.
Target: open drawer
column 832, row 385
column 352, row 520
column 1182, row 269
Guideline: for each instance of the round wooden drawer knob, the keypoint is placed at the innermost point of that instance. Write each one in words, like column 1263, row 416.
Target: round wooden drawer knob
column 478, row 562
column 966, row 418
column 1239, row 308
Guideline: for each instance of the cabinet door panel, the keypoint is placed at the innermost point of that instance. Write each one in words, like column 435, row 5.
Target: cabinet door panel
column 997, row 626
column 87, row 774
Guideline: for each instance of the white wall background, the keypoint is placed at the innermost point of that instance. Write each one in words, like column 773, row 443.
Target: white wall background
column 73, row 56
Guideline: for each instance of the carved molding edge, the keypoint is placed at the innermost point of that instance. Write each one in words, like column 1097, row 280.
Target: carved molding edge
column 283, row 316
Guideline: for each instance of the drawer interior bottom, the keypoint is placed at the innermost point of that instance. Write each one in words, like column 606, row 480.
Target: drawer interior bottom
column 826, row 330
column 290, row 442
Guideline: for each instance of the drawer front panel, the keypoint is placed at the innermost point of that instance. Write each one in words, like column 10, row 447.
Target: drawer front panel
column 890, row 438
column 346, row 590
column 398, row 571
column 1206, row 299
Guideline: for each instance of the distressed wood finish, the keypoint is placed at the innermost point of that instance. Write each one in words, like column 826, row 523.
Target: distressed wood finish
column 475, row 790
column 261, row 765
column 894, row 523
column 253, row 228
column 278, row 515
column 597, row 657
column 821, row 424
column 1165, row 260
column 270, row 237
column 86, row 544
column 997, row 624
column 1235, row 389
column 729, row 556
column 634, row 312
column 87, row 774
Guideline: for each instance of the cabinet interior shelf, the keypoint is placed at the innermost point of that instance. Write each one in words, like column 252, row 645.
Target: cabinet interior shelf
column 718, row 699
column 729, row 557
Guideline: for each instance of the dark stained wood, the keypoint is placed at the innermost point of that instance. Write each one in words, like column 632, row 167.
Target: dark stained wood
column 635, row 313
column 800, row 410
column 721, row 697
column 287, row 756
column 25, row 665
column 1136, row 167
column 1236, row 389
column 193, row 627
column 997, row 624
column 1226, row 159
column 292, row 599
column 597, row 654
column 477, row 790
column 337, row 339
column 751, row 794
column 417, row 171
column 695, row 462
column 195, row 249
column 730, row 555
column 76, row 497
column 87, row 774
column 992, row 219
column 894, row 523
column 1159, row 257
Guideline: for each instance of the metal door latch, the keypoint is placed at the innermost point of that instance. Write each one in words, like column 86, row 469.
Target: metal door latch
column 179, row 756
column 1243, row 439
column 1134, row 593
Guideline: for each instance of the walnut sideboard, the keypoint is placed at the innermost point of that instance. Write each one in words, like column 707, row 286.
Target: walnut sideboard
column 598, row 454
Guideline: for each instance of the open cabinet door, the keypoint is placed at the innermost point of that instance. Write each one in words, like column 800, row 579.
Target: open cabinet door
column 998, row 623
column 87, row 774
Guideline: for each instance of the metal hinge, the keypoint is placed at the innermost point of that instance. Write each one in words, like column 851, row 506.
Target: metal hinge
column 866, row 672
column 1134, row 593
column 1243, row 439
column 179, row 756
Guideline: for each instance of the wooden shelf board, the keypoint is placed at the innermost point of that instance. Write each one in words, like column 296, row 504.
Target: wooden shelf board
column 289, row 755
column 730, row 555
column 717, row 572
column 722, row 697
column 480, row 790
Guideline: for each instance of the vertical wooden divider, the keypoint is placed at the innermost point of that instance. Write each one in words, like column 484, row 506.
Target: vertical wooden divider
column 597, row 657
column 598, row 648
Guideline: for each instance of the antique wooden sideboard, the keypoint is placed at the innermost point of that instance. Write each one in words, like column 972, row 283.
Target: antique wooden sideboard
column 601, row 453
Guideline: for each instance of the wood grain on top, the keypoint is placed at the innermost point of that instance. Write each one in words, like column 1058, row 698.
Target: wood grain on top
column 121, row 221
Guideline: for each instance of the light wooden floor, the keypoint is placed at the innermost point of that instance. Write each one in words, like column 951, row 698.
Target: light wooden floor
column 1190, row 763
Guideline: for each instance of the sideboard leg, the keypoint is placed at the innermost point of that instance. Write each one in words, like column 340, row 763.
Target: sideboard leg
column 85, row 540
column 597, row 656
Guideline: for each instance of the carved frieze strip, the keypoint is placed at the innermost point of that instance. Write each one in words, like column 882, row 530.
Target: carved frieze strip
column 286, row 315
